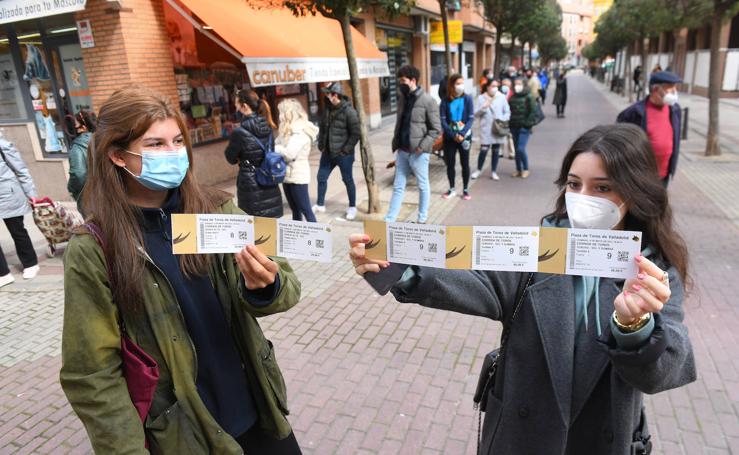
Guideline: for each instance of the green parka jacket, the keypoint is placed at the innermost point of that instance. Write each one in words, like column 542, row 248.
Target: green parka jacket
column 178, row 422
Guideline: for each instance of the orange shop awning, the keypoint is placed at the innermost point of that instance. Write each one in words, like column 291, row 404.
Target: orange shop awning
column 279, row 48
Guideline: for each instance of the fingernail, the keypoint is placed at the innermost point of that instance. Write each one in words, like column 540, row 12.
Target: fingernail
column 640, row 276
column 636, row 287
column 626, row 293
column 639, row 258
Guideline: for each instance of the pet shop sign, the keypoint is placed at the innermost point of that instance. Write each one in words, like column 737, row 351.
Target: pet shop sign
column 21, row 10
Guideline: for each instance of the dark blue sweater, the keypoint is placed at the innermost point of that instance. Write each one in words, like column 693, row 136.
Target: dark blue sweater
column 221, row 380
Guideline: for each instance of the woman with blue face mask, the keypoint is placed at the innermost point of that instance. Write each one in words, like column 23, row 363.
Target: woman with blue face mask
column 580, row 351
column 219, row 388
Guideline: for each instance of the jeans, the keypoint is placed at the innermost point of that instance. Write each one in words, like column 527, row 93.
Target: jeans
column 418, row 164
column 484, row 153
column 520, row 139
column 326, row 166
column 450, row 155
column 23, row 245
column 299, row 201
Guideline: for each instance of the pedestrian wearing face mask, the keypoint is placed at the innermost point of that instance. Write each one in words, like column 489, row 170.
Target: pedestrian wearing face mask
column 493, row 113
column 660, row 116
column 457, row 114
column 416, row 129
column 337, row 137
column 246, row 147
column 523, row 118
column 580, row 352
column 218, row 388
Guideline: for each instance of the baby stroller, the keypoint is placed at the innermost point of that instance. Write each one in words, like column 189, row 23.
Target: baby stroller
column 54, row 221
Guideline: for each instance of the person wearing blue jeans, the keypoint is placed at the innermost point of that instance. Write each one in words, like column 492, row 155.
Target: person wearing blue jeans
column 326, row 166
column 405, row 164
column 520, row 139
column 416, row 129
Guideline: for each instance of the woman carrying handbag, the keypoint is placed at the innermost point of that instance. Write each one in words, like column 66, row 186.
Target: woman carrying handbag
column 493, row 111
column 578, row 353
column 137, row 316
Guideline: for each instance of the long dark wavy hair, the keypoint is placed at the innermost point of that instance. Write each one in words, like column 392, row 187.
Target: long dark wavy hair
column 632, row 170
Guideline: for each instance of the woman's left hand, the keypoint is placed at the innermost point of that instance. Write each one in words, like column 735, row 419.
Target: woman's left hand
column 645, row 294
column 259, row 271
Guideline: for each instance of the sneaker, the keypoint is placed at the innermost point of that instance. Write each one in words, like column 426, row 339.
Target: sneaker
column 6, row 279
column 31, row 272
column 449, row 194
column 475, row 174
column 319, row 208
column 516, row 174
column 525, row 174
column 466, row 195
column 351, row 213
column 511, row 156
column 494, row 176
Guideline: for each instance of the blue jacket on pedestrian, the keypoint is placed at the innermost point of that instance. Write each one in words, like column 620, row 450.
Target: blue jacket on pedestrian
column 637, row 114
column 468, row 116
column 544, row 80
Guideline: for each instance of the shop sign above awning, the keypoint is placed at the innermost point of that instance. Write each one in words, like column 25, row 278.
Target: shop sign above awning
column 21, row 10
column 279, row 48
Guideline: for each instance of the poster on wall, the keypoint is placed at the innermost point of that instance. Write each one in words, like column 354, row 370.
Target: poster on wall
column 84, row 31
column 76, row 77
column 10, row 95
column 21, row 10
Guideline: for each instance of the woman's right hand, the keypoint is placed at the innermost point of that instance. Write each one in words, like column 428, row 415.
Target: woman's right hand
column 361, row 263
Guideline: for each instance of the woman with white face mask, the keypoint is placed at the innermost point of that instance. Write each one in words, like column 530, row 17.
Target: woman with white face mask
column 190, row 318
column 493, row 113
column 457, row 114
column 581, row 351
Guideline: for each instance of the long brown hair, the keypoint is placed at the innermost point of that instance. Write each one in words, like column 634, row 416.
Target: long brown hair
column 450, row 83
column 256, row 104
column 123, row 118
column 632, row 170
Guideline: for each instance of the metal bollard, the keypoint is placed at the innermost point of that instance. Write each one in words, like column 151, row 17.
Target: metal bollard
column 684, row 135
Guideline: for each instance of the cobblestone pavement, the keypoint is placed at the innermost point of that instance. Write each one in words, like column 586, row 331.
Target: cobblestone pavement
column 368, row 375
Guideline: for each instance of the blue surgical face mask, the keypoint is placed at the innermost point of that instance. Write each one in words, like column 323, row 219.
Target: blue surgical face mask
column 162, row 170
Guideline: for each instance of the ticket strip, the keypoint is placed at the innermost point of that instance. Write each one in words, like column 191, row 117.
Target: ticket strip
column 587, row 252
column 212, row 234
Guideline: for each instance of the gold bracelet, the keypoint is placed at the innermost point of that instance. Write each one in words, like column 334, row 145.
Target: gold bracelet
column 634, row 326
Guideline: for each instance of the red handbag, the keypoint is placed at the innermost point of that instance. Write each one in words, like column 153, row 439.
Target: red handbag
column 139, row 369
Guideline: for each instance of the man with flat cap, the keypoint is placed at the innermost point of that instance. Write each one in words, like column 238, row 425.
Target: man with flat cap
column 659, row 116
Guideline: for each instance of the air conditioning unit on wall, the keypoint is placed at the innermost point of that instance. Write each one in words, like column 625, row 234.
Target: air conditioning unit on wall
column 420, row 25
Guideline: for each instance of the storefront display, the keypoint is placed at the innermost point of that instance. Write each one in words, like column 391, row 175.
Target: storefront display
column 11, row 101
column 398, row 48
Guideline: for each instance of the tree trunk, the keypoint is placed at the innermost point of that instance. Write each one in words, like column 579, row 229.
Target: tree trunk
column 531, row 54
column 713, row 148
column 447, row 46
column 644, row 53
column 365, row 151
column 523, row 54
column 496, row 65
column 628, row 80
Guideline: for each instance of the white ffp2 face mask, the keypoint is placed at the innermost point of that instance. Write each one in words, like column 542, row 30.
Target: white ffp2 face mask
column 459, row 89
column 670, row 98
column 589, row 212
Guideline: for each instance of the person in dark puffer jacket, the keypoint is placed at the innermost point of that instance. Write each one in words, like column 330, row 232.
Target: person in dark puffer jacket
column 337, row 138
column 254, row 199
column 523, row 117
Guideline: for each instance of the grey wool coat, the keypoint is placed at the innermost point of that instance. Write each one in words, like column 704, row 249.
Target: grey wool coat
column 16, row 184
column 558, row 392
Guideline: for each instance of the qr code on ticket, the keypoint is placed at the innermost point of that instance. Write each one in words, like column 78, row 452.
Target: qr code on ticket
column 523, row 251
column 319, row 243
column 623, row 256
column 433, row 248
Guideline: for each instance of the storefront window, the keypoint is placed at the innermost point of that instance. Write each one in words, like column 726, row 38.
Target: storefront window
column 207, row 77
column 397, row 46
column 11, row 99
column 438, row 67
